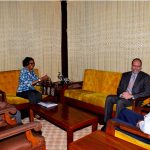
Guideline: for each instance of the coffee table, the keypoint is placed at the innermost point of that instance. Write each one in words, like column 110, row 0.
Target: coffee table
column 66, row 117
column 100, row 140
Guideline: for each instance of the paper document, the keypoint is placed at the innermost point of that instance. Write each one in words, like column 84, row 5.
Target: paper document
column 47, row 104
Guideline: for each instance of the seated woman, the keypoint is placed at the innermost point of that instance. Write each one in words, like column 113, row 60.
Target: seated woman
column 27, row 80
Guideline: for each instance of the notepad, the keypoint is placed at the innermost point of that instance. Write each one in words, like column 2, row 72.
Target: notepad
column 47, row 104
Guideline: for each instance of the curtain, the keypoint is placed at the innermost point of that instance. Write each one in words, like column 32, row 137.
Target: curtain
column 107, row 35
column 31, row 29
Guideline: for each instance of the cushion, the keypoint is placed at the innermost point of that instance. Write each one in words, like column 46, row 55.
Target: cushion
column 101, row 81
column 12, row 99
column 94, row 98
column 76, row 93
column 131, row 139
column 147, row 101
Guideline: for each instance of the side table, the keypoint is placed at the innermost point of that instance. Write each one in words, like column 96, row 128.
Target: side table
column 52, row 90
column 56, row 89
column 66, row 117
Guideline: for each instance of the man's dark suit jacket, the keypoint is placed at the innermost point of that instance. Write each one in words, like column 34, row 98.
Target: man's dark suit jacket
column 141, row 87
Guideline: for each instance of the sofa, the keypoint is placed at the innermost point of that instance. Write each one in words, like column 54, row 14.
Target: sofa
column 8, row 88
column 96, row 86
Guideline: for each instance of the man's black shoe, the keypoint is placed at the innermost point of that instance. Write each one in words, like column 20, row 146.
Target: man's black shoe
column 103, row 128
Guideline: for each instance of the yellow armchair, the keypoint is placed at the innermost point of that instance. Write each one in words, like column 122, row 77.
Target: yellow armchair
column 128, row 133
column 8, row 88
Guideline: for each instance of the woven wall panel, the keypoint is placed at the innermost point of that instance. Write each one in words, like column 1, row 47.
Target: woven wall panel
column 31, row 29
column 107, row 35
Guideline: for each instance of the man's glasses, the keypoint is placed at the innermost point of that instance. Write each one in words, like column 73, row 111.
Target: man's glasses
column 136, row 66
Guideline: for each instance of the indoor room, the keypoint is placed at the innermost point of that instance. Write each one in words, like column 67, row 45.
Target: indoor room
column 74, row 75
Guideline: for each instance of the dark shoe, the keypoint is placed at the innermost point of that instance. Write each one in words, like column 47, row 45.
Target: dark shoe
column 103, row 128
column 38, row 117
column 19, row 124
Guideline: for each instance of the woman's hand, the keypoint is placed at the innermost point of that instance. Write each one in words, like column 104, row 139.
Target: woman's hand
column 44, row 78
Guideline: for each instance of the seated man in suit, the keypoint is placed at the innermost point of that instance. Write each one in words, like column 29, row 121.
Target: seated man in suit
column 16, row 115
column 134, row 84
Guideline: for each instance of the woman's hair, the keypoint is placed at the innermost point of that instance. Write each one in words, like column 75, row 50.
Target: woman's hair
column 26, row 61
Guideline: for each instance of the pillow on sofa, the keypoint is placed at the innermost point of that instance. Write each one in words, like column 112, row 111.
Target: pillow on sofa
column 101, row 81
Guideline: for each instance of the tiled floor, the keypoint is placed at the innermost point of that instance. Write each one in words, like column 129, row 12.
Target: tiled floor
column 56, row 137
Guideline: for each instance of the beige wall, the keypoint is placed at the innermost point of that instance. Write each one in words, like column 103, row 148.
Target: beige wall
column 101, row 35
column 107, row 35
column 31, row 29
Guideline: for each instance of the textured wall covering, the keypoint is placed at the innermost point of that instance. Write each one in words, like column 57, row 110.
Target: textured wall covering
column 31, row 29
column 107, row 35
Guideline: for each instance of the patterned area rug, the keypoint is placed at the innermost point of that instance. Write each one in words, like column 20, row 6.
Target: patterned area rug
column 56, row 138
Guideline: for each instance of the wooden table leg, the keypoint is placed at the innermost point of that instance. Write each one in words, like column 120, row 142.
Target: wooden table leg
column 94, row 126
column 31, row 115
column 69, row 138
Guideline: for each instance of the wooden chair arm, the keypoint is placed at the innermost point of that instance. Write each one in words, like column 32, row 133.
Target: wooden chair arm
column 135, row 102
column 111, row 127
column 135, row 131
column 3, row 96
column 75, row 85
column 20, row 129
column 2, row 91
column 72, row 85
column 7, row 109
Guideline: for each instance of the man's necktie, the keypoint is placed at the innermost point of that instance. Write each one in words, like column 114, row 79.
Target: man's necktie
column 131, row 83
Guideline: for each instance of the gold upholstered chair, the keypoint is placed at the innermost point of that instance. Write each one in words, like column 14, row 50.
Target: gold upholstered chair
column 128, row 133
column 8, row 88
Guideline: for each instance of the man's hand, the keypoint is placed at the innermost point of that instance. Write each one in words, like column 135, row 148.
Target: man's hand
column 139, row 122
column 126, row 95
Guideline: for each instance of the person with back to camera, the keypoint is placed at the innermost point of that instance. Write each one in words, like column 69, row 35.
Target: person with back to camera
column 14, row 113
column 135, row 119
column 134, row 84
column 27, row 80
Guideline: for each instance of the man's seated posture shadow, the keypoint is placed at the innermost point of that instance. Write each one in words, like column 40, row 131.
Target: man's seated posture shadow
column 133, row 84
